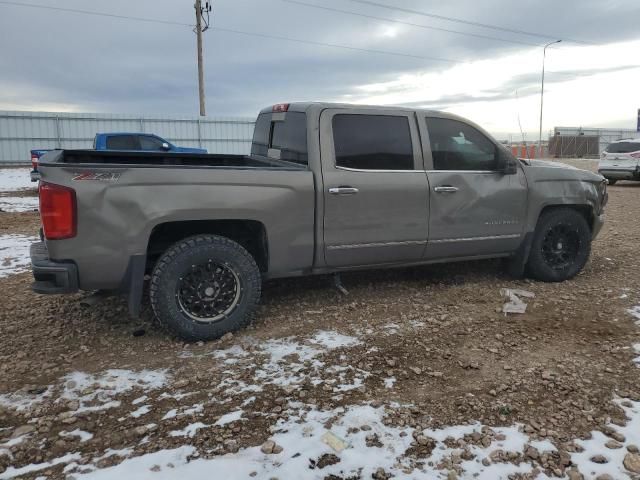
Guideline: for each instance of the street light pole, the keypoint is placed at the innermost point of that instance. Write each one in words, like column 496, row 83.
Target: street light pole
column 544, row 55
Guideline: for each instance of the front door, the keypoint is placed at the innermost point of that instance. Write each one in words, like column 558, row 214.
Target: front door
column 376, row 199
column 475, row 209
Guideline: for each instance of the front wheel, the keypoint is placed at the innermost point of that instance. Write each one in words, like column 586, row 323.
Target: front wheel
column 205, row 286
column 612, row 181
column 561, row 245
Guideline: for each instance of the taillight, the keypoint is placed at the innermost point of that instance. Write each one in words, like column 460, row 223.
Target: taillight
column 58, row 211
column 34, row 161
column 280, row 107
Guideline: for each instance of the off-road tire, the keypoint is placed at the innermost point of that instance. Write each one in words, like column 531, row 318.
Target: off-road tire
column 539, row 266
column 178, row 261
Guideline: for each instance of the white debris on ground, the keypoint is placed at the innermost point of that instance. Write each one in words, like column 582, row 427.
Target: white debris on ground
column 636, row 347
column 14, row 253
column 515, row 304
column 14, row 179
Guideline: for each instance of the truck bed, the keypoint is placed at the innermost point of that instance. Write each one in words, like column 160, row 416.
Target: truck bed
column 95, row 157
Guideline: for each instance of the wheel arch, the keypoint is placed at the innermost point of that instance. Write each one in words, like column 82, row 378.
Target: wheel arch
column 251, row 234
column 583, row 209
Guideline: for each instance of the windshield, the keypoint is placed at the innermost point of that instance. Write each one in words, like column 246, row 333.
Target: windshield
column 623, row 147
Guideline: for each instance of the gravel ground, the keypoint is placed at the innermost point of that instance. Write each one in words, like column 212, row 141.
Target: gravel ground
column 416, row 369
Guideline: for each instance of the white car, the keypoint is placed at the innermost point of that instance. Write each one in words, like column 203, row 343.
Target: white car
column 621, row 161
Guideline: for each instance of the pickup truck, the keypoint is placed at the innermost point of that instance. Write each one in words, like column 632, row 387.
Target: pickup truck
column 145, row 142
column 327, row 188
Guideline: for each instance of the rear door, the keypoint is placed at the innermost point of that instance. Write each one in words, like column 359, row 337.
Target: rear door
column 375, row 188
column 474, row 208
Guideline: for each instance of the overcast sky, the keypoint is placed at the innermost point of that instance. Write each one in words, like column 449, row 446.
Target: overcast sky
column 63, row 61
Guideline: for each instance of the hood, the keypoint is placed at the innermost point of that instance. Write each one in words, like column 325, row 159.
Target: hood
column 558, row 171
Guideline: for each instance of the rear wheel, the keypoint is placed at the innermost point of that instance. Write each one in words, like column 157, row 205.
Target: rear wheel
column 561, row 245
column 205, row 286
column 612, row 181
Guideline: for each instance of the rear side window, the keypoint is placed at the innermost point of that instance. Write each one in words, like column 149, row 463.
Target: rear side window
column 623, row 147
column 122, row 142
column 372, row 142
column 150, row 143
column 288, row 136
column 458, row 146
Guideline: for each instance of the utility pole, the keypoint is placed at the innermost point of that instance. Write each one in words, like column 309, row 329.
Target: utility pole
column 544, row 55
column 200, row 20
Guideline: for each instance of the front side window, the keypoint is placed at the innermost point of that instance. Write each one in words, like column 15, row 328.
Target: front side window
column 122, row 142
column 150, row 143
column 458, row 146
column 372, row 142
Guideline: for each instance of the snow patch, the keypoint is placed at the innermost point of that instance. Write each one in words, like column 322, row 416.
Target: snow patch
column 81, row 434
column 229, row 417
column 143, row 410
column 12, row 472
column 596, row 445
column 14, row 179
column 635, row 313
column 331, row 340
column 14, row 253
column 96, row 392
column 188, row 431
column 21, row 401
column 18, row 204
column 636, row 348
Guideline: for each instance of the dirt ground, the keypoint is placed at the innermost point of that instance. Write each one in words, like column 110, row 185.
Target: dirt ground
column 430, row 344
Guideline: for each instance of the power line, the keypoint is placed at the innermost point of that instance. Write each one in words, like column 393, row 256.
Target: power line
column 238, row 32
column 241, row 32
column 466, row 22
column 336, row 45
column 97, row 14
column 347, row 12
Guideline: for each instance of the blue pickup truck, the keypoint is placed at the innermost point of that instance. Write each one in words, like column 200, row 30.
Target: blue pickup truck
column 142, row 142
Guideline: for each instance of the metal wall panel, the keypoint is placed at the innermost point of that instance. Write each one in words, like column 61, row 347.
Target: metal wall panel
column 21, row 132
column 607, row 135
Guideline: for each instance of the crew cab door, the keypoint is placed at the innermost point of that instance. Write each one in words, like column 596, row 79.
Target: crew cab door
column 375, row 189
column 475, row 207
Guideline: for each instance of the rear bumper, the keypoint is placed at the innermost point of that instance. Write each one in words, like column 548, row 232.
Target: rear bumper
column 620, row 174
column 51, row 277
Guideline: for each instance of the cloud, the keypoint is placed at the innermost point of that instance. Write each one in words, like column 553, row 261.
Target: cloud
column 61, row 60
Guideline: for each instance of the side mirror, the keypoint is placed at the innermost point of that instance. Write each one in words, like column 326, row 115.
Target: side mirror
column 166, row 146
column 507, row 164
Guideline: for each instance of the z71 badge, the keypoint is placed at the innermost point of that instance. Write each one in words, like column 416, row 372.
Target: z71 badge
column 98, row 176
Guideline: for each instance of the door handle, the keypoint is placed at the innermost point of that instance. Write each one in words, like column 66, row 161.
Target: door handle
column 445, row 189
column 343, row 191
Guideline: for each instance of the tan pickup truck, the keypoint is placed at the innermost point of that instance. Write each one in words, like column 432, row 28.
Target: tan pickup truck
column 327, row 188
